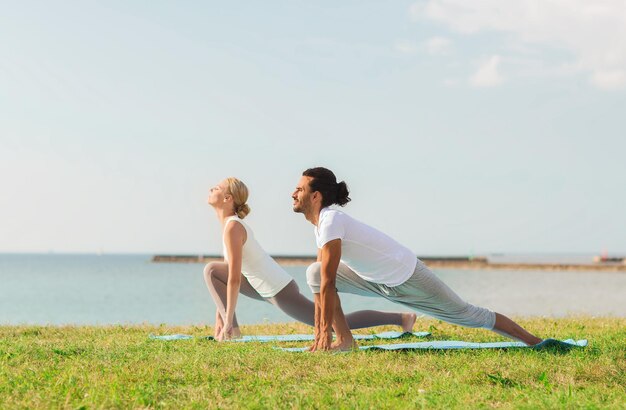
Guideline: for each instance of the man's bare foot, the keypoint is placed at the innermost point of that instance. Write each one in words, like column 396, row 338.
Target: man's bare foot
column 408, row 321
column 344, row 346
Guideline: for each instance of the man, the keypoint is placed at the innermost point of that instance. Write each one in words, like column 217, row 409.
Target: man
column 356, row 258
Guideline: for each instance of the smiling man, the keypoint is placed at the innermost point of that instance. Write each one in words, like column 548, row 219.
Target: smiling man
column 356, row 258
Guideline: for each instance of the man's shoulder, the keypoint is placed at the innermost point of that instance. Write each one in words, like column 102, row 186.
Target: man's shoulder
column 330, row 215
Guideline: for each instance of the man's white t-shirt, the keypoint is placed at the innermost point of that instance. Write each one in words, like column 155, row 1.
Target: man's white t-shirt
column 370, row 253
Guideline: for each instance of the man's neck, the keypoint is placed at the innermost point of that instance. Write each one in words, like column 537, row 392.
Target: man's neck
column 314, row 216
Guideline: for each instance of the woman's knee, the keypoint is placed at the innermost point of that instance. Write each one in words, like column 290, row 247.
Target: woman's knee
column 210, row 269
column 295, row 304
column 314, row 276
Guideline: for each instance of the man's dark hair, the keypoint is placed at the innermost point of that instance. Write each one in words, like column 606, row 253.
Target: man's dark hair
column 325, row 182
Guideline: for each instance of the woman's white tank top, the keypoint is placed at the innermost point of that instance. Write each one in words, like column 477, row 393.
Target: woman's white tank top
column 264, row 274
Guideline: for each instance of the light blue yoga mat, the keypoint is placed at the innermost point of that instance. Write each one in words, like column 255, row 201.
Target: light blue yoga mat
column 297, row 337
column 451, row 344
column 176, row 337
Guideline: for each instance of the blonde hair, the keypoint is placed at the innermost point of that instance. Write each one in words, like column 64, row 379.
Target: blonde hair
column 239, row 191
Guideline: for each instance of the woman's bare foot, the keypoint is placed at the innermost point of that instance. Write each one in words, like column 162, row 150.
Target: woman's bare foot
column 408, row 321
column 506, row 327
column 236, row 333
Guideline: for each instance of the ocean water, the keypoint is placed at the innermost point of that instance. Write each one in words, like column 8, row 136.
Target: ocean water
column 129, row 289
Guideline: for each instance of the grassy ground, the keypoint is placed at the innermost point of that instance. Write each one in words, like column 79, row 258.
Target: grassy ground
column 119, row 367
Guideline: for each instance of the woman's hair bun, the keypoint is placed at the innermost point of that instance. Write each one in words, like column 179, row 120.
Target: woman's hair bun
column 242, row 210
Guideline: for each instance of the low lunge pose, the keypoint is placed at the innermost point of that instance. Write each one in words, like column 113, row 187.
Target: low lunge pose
column 248, row 269
column 356, row 258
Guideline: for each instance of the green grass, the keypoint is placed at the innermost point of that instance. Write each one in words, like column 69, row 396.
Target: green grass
column 119, row 367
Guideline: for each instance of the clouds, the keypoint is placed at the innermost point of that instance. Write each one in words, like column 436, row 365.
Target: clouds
column 405, row 47
column 487, row 74
column 609, row 78
column 433, row 46
column 590, row 35
column 438, row 45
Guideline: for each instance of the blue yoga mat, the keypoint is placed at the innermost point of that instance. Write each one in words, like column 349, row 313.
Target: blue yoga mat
column 296, row 338
column 176, row 337
column 451, row 344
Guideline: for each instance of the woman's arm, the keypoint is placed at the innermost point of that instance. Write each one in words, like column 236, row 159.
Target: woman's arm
column 234, row 239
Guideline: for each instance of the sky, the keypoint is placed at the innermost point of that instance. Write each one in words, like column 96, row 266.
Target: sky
column 460, row 127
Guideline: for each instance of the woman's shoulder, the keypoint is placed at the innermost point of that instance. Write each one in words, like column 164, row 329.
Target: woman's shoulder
column 237, row 228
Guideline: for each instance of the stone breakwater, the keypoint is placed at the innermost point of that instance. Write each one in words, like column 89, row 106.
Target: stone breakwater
column 283, row 260
column 452, row 262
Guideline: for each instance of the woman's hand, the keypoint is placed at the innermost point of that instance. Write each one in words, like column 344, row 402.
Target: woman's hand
column 219, row 324
column 227, row 332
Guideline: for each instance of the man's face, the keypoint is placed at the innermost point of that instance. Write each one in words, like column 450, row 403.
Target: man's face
column 302, row 201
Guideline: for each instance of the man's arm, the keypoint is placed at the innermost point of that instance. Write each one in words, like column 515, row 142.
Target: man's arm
column 330, row 256
column 316, row 303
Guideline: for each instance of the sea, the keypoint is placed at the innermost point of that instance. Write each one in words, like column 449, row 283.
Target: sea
column 55, row 289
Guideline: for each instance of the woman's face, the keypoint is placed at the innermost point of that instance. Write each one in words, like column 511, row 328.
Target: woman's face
column 218, row 194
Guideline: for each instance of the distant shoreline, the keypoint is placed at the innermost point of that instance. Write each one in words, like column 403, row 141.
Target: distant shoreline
column 451, row 262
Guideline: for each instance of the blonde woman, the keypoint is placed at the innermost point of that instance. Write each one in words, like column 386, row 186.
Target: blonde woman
column 249, row 270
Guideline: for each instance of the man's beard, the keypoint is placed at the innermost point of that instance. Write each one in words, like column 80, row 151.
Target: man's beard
column 299, row 208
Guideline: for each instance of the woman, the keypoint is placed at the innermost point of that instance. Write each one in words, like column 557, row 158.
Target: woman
column 248, row 269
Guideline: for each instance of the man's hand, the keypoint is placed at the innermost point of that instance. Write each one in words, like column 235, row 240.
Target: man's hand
column 321, row 337
column 328, row 313
column 322, row 343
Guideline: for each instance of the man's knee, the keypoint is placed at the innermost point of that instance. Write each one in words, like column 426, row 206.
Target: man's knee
column 473, row 316
column 314, row 276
